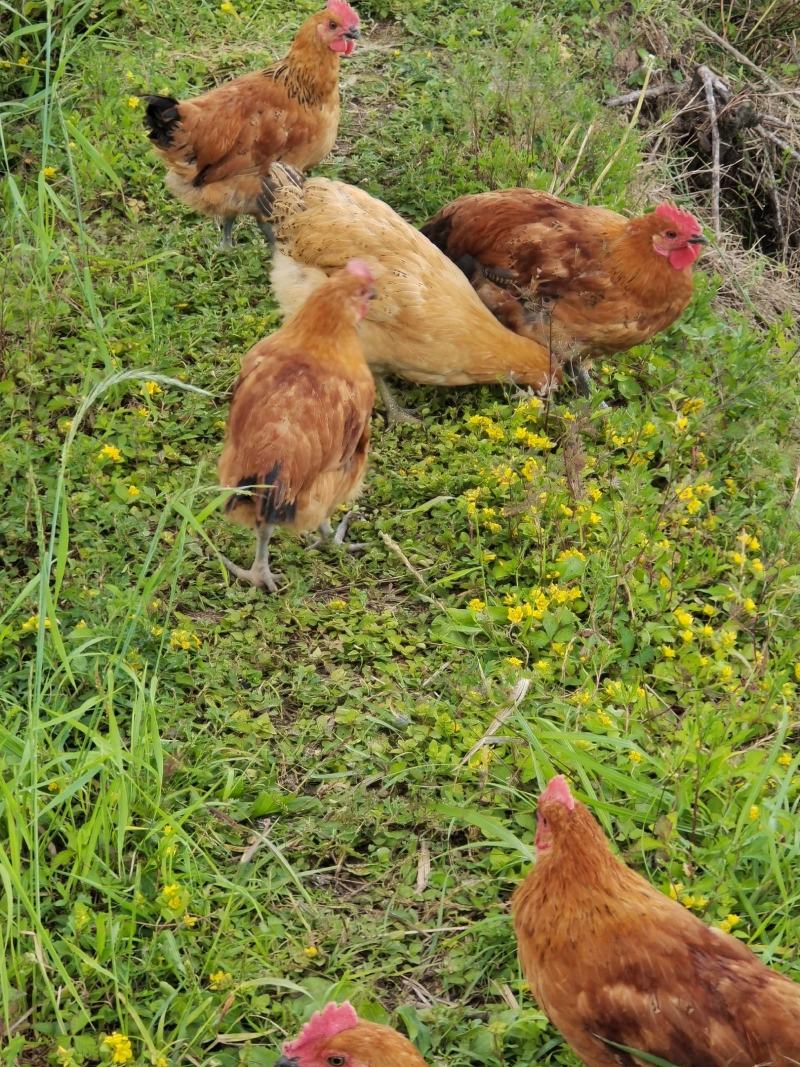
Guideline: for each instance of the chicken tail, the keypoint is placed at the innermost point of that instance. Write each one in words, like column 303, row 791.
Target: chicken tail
column 161, row 119
column 281, row 194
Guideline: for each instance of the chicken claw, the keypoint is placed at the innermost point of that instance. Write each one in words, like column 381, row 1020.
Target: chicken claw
column 226, row 241
column 396, row 414
column 337, row 536
column 259, row 575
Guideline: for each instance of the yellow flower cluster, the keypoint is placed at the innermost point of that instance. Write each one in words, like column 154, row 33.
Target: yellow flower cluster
column 488, row 426
column 533, row 440
column 32, row 624
column 110, row 452
column 173, row 896
column 693, row 405
column 728, row 923
column 570, row 553
column 476, row 604
column 530, row 468
column 220, row 979
column 184, row 639
column 119, row 1046
column 152, row 388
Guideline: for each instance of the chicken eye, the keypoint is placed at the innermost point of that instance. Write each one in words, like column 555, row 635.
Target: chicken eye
column 671, row 234
column 336, row 1061
column 333, row 26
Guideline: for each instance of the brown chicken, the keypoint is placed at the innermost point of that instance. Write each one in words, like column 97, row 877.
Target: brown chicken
column 298, row 431
column 612, row 961
column 427, row 324
column 336, row 1037
column 583, row 280
column 219, row 146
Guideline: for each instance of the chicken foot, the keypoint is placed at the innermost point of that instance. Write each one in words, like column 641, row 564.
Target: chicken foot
column 259, row 575
column 395, row 412
column 266, row 230
column 579, row 376
column 337, row 536
column 226, row 241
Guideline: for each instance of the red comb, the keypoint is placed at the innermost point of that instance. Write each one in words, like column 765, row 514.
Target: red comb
column 321, row 1026
column 558, row 790
column 684, row 220
column 361, row 270
column 341, row 10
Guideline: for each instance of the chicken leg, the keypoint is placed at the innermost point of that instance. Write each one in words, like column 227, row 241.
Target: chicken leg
column 226, row 241
column 395, row 412
column 337, row 536
column 259, row 575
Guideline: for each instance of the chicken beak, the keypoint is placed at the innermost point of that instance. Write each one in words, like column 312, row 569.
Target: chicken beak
column 284, row 1062
column 353, row 34
column 698, row 239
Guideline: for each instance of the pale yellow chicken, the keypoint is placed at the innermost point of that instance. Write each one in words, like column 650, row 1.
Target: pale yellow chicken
column 427, row 324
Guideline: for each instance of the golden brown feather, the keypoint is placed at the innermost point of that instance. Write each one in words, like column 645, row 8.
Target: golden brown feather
column 219, row 146
column 585, row 278
column 298, row 432
column 427, row 324
column 609, row 957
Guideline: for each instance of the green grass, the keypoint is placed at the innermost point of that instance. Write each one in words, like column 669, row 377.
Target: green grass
column 159, row 724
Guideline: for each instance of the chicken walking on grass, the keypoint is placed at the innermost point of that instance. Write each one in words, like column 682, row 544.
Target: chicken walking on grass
column 336, row 1037
column 583, row 280
column 218, row 146
column 298, row 430
column 427, row 325
column 613, row 962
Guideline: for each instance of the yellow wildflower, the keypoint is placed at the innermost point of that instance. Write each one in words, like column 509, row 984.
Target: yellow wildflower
column 220, row 979
column 50, row 172
column 784, row 759
column 634, row 756
column 133, row 101
column 664, row 582
column 737, row 558
column 687, row 636
column 649, row 429
column 190, row 920
column 753, row 544
column 311, row 951
column 184, row 639
column 476, row 604
column 749, row 605
column 757, row 566
column 693, row 507
column 152, row 388
column 709, row 610
column 515, row 615
column 143, row 413
column 594, row 518
column 110, row 452
column 753, row 812
column 565, row 510
column 227, row 8
column 22, row 61
column 683, row 617
column 160, row 1060
column 32, row 624
column 513, row 661
column 119, row 1046
column 667, row 652
column 337, row 604
column 675, row 889
column 728, row 923
column 725, row 672
column 797, row 671
column 133, row 491
column 681, row 423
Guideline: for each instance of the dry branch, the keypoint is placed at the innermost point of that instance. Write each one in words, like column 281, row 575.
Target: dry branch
column 707, row 78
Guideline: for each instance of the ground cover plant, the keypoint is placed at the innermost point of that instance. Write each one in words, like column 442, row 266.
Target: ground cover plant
column 219, row 809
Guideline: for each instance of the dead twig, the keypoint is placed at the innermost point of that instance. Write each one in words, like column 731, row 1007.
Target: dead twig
column 646, row 94
column 518, row 694
column 707, row 78
column 793, row 95
column 776, row 140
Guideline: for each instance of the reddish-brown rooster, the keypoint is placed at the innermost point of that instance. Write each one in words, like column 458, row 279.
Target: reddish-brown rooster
column 298, row 431
column 336, row 1037
column 614, row 962
column 219, row 146
column 582, row 280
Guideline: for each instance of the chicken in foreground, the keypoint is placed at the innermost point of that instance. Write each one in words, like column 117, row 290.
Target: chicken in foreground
column 219, row 146
column 612, row 961
column 298, row 430
column 583, row 280
column 336, row 1037
column 427, row 324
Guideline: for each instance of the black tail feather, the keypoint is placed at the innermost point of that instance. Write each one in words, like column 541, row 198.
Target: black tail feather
column 161, row 117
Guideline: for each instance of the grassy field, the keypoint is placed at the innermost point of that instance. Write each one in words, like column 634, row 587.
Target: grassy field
column 219, row 810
